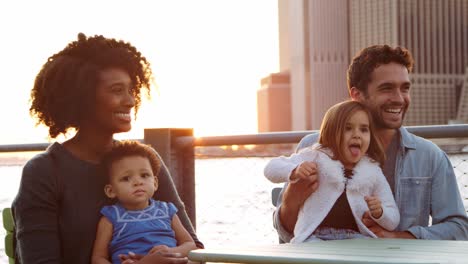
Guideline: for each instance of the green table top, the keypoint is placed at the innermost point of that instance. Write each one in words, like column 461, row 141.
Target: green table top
column 342, row 251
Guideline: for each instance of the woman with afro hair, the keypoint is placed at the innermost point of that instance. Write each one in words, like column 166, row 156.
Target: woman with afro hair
column 91, row 88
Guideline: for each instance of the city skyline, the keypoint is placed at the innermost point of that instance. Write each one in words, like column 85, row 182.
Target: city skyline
column 319, row 38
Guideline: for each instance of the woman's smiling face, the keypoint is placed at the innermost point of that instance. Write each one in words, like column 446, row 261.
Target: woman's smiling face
column 114, row 101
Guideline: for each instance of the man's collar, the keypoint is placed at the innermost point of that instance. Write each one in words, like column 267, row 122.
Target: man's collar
column 407, row 139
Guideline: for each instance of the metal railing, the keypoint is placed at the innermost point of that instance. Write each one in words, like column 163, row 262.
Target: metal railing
column 441, row 131
column 434, row 131
column 233, row 201
column 177, row 149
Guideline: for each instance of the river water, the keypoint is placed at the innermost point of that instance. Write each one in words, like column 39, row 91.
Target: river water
column 233, row 199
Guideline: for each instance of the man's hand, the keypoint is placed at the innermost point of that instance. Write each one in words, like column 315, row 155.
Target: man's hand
column 375, row 206
column 382, row 232
column 296, row 193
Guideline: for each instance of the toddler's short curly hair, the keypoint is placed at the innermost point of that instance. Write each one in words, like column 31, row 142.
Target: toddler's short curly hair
column 130, row 148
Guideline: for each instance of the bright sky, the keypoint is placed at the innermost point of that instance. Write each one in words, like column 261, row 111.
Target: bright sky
column 208, row 57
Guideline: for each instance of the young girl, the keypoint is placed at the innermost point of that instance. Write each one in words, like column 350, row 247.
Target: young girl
column 136, row 223
column 350, row 179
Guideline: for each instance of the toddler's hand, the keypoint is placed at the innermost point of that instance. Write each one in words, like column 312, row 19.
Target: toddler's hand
column 160, row 248
column 375, row 206
column 130, row 257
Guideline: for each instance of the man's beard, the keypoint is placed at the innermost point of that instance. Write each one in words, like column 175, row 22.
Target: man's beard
column 379, row 121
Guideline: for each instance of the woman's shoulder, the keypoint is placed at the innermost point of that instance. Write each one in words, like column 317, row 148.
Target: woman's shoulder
column 54, row 156
column 43, row 159
column 37, row 174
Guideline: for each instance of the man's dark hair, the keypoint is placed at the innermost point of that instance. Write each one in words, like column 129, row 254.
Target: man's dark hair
column 65, row 88
column 363, row 64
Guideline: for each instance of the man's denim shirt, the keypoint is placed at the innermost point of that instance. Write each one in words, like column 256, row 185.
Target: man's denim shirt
column 425, row 186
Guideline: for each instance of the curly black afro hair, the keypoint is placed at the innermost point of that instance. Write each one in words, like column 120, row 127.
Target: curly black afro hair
column 64, row 89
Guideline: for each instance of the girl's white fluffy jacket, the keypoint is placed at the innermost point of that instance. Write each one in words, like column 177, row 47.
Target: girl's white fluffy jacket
column 367, row 180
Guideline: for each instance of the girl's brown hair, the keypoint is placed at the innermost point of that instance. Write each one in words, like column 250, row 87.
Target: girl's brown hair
column 333, row 126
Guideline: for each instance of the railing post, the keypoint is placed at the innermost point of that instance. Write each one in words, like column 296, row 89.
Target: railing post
column 180, row 161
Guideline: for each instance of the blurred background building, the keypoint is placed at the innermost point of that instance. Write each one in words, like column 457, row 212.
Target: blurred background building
column 274, row 103
column 318, row 39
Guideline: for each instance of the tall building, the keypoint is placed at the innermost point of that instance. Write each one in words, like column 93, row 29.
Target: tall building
column 274, row 103
column 436, row 33
column 314, row 36
column 318, row 39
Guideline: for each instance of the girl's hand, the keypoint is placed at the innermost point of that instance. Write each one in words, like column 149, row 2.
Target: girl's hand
column 307, row 170
column 303, row 182
column 375, row 206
